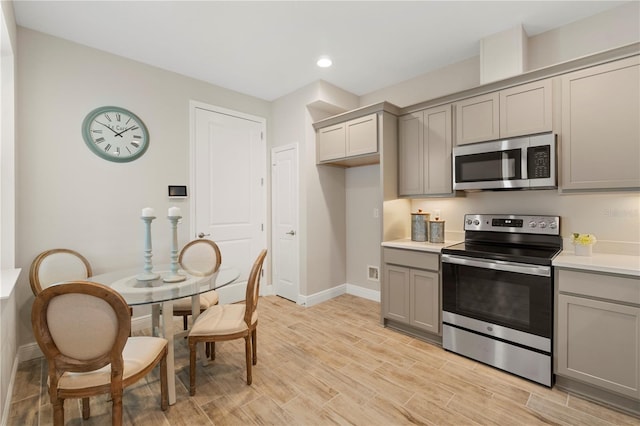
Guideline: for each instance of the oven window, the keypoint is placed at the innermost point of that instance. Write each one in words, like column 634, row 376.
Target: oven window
column 489, row 297
column 489, row 166
column 519, row 301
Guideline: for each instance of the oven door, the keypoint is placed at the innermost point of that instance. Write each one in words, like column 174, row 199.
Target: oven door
column 510, row 295
column 491, row 165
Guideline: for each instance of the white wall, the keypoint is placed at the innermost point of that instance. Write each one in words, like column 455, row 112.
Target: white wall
column 8, row 314
column 322, row 189
column 363, row 229
column 68, row 196
column 613, row 28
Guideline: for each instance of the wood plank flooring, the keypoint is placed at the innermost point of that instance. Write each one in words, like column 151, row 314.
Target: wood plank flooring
column 332, row 363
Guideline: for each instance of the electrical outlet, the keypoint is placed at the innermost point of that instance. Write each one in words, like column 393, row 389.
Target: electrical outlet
column 376, row 213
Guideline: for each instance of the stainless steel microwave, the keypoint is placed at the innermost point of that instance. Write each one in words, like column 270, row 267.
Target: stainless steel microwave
column 519, row 163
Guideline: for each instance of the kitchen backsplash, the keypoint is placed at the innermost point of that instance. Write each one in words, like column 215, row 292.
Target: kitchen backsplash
column 613, row 217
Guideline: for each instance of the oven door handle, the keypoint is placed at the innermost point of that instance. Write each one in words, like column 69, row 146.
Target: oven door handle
column 499, row 265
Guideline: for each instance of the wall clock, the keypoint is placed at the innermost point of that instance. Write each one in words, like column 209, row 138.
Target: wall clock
column 115, row 134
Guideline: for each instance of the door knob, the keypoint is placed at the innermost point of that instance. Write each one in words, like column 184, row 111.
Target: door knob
column 202, row 235
column 292, row 232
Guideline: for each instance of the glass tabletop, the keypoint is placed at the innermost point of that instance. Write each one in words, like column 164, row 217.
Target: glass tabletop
column 137, row 292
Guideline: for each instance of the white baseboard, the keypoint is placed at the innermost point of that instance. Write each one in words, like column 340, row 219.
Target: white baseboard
column 336, row 291
column 365, row 293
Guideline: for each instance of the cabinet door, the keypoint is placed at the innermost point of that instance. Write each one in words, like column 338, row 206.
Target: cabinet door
column 410, row 154
column 425, row 300
column 601, row 126
column 526, row 109
column 331, row 142
column 437, row 150
column 396, row 298
column 362, row 135
column 599, row 343
column 477, row 119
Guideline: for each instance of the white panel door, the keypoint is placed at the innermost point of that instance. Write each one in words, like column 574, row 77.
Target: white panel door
column 284, row 195
column 229, row 159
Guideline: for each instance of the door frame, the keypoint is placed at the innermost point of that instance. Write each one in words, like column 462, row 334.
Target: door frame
column 274, row 150
column 266, row 288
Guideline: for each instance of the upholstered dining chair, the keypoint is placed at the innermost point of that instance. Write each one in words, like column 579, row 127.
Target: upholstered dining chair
column 229, row 322
column 199, row 258
column 83, row 330
column 57, row 265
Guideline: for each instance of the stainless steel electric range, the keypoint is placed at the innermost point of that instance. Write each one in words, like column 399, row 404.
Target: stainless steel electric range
column 497, row 293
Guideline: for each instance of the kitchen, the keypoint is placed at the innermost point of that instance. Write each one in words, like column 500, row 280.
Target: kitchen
column 612, row 216
column 419, row 295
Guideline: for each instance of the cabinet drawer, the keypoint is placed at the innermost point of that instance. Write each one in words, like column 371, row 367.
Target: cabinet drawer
column 611, row 287
column 412, row 258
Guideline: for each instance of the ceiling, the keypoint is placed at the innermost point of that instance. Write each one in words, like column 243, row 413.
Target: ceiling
column 268, row 49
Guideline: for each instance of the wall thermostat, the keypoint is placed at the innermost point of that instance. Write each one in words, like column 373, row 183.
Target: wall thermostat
column 177, row 191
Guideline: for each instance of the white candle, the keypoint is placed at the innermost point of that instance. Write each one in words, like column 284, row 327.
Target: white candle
column 174, row 211
column 148, row 212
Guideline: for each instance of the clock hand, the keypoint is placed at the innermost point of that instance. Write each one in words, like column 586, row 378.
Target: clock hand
column 109, row 128
column 125, row 130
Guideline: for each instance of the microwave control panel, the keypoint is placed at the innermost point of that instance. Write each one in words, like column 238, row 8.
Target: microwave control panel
column 539, row 162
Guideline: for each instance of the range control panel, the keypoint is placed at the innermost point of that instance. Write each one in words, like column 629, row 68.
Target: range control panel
column 546, row 225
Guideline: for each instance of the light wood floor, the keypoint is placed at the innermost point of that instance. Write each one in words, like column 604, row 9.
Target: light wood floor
column 328, row 364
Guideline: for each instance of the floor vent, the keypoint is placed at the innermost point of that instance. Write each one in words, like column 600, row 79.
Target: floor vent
column 373, row 273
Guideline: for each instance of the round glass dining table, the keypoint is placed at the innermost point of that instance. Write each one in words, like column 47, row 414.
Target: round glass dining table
column 160, row 294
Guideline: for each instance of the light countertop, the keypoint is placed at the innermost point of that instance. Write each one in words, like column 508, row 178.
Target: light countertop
column 408, row 244
column 600, row 262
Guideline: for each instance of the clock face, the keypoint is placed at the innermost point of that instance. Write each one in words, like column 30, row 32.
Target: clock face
column 115, row 134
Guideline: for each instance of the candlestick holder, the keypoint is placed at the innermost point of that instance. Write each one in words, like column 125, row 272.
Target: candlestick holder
column 173, row 276
column 148, row 274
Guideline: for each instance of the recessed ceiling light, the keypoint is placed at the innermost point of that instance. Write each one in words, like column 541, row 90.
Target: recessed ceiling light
column 324, row 62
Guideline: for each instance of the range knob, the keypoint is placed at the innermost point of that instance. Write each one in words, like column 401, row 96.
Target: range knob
column 543, row 224
column 476, row 222
column 553, row 225
column 532, row 224
column 469, row 221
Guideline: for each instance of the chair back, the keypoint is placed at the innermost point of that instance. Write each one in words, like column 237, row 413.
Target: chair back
column 57, row 265
column 253, row 287
column 81, row 326
column 200, row 258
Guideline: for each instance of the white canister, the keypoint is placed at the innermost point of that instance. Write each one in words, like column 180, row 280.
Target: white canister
column 419, row 221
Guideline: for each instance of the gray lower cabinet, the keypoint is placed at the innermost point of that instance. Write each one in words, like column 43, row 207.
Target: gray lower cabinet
column 598, row 330
column 411, row 289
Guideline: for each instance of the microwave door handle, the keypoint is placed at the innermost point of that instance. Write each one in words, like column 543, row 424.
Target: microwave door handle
column 520, row 268
column 524, row 165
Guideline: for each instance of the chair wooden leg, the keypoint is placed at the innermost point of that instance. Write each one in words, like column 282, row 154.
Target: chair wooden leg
column 116, row 408
column 254, row 345
column 164, row 390
column 86, row 408
column 58, row 412
column 192, row 368
column 247, row 350
column 185, row 322
column 213, row 350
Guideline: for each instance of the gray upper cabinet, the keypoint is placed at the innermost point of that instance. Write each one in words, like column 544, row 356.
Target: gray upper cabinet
column 332, row 142
column 478, row 119
column 424, row 152
column 354, row 138
column 600, row 137
column 521, row 110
